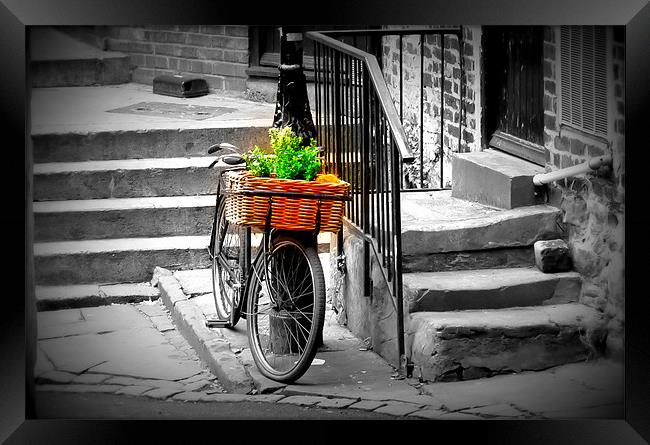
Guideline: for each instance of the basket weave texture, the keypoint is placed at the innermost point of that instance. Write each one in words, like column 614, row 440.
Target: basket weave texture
column 287, row 213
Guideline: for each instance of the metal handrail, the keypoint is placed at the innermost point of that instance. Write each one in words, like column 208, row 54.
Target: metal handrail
column 379, row 84
column 591, row 164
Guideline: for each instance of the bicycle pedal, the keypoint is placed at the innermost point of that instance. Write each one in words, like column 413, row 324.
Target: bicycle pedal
column 216, row 323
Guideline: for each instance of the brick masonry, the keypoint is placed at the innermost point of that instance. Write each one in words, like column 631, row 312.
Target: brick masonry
column 468, row 113
column 593, row 205
column 219, row 54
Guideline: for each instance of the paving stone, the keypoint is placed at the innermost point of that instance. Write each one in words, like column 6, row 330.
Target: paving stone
column 221, row 397
column 56, row 377
column 498, row 410
column 189, row 396
column 336, row 403
column 162, row 393
column 196, row 386
column 303, row 400
column 267, row 398
column 428, row 413
column 162, row 323
column 153, row 309
column 133, row 390
column 368, row 405
column 105, row 388
column 397, row 409
column 53, row 324
column 43, row 364
column 459, row 416
column 90, row 378
column 195, row 281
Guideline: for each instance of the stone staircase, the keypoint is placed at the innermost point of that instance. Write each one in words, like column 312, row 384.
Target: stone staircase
column 59, row 60
column 476, row 305
column 116, row 194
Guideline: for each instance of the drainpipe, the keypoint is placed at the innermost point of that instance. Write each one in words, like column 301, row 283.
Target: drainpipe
column 587, row 166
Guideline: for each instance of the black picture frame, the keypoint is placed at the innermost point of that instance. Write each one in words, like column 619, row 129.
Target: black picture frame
column 16, row 15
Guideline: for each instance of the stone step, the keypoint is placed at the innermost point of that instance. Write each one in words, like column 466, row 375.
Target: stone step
column 488, row 289
column 140, row 143
column 125, row 260
column 59, row 60
column 440, row 232
column 95, row 219
column 90, row 295
column 116, row 260
column 495, row 178
column 128, row 178
column 464, row 345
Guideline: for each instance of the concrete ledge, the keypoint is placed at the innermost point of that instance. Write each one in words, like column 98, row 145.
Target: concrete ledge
column 494, row 178
column 127, row 178
column 96, row 219
column 213, row 349
column 65, row 297
column 116, row 260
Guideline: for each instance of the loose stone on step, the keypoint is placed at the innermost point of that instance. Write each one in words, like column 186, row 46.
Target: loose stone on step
column 552, row 256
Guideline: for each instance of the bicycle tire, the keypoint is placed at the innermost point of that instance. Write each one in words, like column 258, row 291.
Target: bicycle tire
column 227, row 247
column 286, row 310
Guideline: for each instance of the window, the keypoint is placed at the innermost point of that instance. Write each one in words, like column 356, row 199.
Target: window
column 583, row 78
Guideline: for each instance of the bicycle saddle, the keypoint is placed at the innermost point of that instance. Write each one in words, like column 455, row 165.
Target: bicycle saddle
column 232, row 159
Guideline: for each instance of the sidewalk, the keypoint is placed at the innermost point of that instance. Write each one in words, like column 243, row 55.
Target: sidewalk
column 357, row 378
column 138, row 350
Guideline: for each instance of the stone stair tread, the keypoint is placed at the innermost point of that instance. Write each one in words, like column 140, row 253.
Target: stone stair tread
column 120, row 245
column 435, row 222
column 84, row 110
column 460, row 322
column 438, row 211
column 480, row 279
column 489, row 289
column 116, row 204
column 51, row 44
column 122, row 164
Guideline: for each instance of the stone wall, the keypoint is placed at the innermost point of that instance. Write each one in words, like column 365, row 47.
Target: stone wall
column 453, row 112
column 219, row 54
column 593, row 204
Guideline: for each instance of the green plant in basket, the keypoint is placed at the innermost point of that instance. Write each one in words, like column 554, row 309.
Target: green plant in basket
column 292, row 160
column 259, row 163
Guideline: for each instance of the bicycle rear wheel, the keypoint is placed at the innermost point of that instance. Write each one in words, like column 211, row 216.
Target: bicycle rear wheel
column 285, row 309
column 227, row 267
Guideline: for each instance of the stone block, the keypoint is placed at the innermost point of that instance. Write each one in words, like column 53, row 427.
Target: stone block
column 494, row 178
column 552, row 256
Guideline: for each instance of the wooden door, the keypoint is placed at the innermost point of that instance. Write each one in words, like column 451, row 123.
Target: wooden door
column 514, row 90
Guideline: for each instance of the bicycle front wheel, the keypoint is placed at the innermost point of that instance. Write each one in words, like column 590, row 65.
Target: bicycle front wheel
column 226, row 267
column 285, row 309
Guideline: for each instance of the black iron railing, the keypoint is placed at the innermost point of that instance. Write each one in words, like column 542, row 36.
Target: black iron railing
column 430, row 64
column 365, row 145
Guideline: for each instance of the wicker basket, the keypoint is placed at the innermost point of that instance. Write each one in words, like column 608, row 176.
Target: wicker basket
column 248, row 200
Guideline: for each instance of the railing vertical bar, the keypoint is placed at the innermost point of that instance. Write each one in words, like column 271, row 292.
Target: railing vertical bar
column 365, row 201
column 355, row 142
column 401, row 80
column 380, row 185
column 421, row 110
column 385, row 188
column 326, row 108
column 442, row 107
column 317, row 92
column 337, row 113
column 346, row 144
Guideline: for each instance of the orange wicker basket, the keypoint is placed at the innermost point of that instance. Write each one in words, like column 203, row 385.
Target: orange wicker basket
column 294, row 204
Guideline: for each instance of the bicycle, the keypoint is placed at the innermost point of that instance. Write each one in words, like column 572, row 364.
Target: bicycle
column 280, row 293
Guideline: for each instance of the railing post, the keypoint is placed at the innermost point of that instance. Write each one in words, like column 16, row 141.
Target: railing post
column 397, row 281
